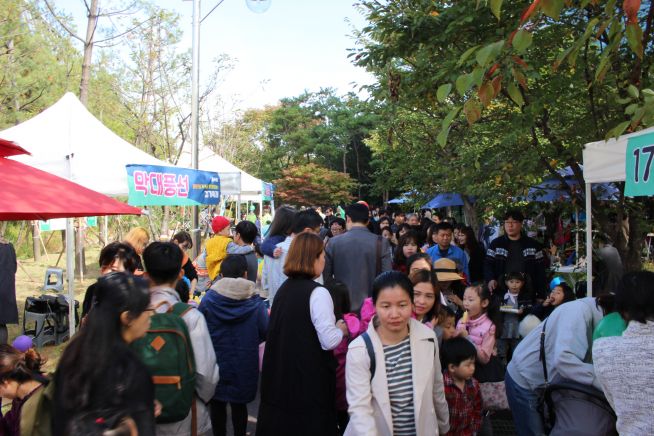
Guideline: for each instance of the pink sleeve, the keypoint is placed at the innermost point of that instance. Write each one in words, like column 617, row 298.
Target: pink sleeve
column 485, row 351
column 353, row 324
column 367, row 312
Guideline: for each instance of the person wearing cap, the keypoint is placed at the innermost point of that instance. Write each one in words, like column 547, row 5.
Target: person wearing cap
column 217, row 246
column 450, row 284
column 515, row 252
column 252, row 217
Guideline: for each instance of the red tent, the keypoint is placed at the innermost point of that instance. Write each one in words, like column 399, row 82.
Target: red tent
column 30, row 194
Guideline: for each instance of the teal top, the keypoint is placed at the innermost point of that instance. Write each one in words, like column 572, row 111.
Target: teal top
column 611, row 325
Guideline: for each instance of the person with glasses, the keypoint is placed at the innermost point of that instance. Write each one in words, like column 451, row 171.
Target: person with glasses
column 515, row 251
column 99, row 379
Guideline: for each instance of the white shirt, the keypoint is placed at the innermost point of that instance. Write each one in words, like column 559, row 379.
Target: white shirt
column 323, row 319
column 274, row 271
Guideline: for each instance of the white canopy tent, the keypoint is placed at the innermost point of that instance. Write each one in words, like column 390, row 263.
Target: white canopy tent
column 68, row 141
column 233, row 180
column 604, row 161
column 67, row 129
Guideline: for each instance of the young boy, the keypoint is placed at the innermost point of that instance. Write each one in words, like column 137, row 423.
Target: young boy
column 244, row 236
column 217, row 246
column 163, row 263
column 461, row 390
column 446, row 327
column 238, row 321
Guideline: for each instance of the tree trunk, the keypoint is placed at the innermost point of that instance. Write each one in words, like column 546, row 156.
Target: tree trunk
column 36, row 246
column 165, row 222
column 633, row 260
column 470, row 212
column 80, row 267
column 91, row 25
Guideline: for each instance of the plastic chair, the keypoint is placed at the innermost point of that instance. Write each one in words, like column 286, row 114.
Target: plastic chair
column 58, row 284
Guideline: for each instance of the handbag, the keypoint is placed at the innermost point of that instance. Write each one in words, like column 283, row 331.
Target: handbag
column 491, row 384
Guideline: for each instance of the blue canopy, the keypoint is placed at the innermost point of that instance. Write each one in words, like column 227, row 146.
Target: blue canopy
column 444, row 200
column 551, row 190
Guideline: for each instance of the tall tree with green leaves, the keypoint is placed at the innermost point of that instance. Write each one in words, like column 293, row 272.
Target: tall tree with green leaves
column 507, row 91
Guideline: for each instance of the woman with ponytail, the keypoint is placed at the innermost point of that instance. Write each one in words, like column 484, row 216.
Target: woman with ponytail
column 100, row 381
column 20, row 378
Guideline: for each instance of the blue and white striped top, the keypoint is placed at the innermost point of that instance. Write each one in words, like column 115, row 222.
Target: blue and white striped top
column 400, row 387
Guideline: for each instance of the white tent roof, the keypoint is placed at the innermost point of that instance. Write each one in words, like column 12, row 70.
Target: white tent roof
column 233, row 180
column 604, row 161
column 67, row 128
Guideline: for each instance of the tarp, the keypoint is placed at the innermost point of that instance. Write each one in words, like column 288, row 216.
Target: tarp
column 233, row 180
column 604, row 161
column 445, row 199
column 32, row 194
column 67, row 128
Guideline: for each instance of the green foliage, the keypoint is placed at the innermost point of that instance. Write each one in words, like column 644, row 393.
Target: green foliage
column 321, row 128
column 37, row 63
column 311, row 184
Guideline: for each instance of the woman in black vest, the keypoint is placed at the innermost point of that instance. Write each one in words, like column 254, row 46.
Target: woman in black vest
column 298, row 377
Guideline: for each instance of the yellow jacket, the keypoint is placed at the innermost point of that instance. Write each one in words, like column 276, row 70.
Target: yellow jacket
column 216, row 252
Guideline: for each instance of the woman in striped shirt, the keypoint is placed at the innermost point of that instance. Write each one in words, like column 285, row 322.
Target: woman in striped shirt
column 393, row 374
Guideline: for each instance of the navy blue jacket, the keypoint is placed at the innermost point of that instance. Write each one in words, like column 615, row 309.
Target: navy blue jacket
column 238, row 323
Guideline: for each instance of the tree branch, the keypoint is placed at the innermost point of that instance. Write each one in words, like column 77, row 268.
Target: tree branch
column 62, row 24
column 124, row 33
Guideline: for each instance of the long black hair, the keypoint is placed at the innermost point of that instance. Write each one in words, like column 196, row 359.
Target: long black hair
column 92, row 351
column 282, row 223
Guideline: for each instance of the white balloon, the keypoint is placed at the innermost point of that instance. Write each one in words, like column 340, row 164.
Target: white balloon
column 258, row 6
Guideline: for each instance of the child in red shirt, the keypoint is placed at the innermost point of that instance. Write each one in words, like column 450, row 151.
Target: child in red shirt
column 461, row 389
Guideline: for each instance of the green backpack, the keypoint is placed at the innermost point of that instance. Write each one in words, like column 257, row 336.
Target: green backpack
column 167, row 352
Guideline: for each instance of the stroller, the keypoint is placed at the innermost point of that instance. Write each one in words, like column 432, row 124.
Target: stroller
column 569, row 408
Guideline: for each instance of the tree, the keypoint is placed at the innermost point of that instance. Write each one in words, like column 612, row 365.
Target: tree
column 321, row 128
column 311, row 184
column 507, row 94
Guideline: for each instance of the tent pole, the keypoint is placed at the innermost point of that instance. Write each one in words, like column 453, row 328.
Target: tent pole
column 589, row 243
column 70, row 273
column 105, row 230
column 195, row 110
column 576, row 234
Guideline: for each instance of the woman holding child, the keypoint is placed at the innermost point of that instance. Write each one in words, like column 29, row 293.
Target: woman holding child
column 402, row 392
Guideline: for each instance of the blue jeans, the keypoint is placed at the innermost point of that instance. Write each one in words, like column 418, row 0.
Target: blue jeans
column 524, row 407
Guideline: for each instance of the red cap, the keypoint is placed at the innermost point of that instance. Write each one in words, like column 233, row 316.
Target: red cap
column 219, row 223
column 364, row 203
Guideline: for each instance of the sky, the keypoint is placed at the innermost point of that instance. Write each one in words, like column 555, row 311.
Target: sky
column 296, row 45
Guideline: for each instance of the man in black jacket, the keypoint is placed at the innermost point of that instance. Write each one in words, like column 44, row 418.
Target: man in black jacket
column 515, row 252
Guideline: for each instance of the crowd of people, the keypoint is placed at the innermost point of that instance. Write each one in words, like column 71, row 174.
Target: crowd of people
column 346, row 322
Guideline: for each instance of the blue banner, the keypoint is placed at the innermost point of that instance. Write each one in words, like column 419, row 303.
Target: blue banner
column 154, row 185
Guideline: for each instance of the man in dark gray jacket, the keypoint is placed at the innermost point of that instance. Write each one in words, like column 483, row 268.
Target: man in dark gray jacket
column 357, row 256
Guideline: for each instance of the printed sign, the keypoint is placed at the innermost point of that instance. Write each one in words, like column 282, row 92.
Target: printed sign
column 52, row 225
column 640, row 166
column 268, row 191
column 153, row 185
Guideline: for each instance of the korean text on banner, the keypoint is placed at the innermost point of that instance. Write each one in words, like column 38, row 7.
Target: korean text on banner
column 639, row 166
column 268, row 191
column 153, row 185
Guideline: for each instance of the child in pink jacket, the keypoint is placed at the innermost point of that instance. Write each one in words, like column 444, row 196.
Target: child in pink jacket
column 341, row 297
column 480, row 327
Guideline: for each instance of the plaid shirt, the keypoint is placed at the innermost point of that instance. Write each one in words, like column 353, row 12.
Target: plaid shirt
column 465, row 406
